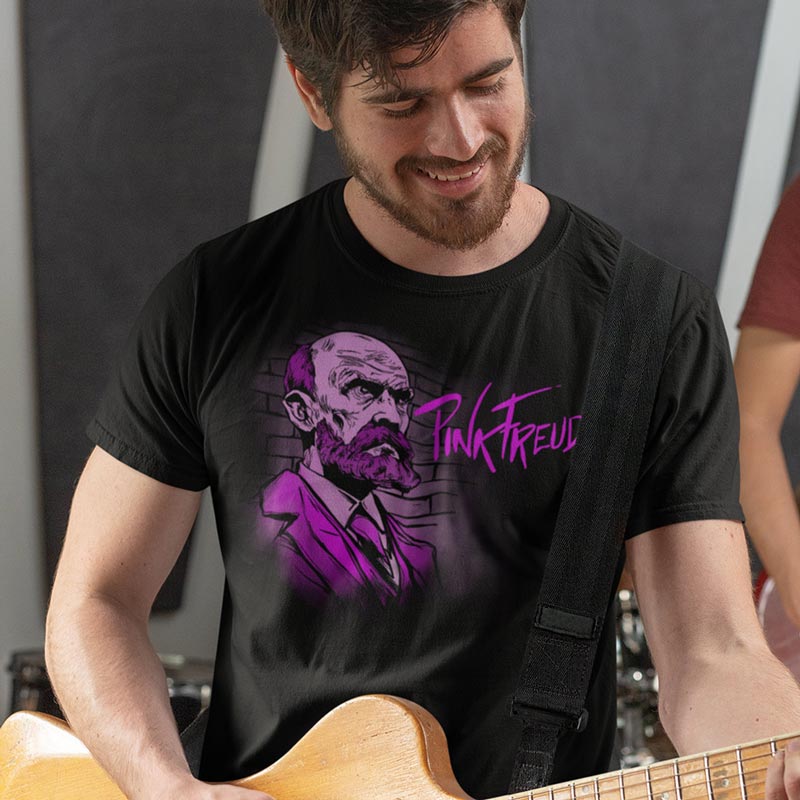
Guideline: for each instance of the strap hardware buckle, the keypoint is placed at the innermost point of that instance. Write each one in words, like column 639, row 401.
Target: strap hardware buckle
column 564, row 721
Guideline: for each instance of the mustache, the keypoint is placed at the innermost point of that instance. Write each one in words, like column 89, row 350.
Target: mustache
column 353, row 461
column 492, row 146
column 374, row 434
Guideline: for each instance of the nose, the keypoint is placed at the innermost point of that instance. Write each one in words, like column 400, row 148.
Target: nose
column 455, row 130
column 386, row 410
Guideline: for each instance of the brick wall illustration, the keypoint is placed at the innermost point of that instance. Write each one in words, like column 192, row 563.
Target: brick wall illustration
column 442, row 481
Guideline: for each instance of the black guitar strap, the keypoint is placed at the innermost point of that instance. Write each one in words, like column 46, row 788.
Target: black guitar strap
column 577, row 585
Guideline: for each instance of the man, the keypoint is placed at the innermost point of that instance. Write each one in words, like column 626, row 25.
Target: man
column 495, row 292
column 351, row 394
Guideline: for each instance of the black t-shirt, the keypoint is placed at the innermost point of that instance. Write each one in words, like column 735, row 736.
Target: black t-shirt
column 435, row 417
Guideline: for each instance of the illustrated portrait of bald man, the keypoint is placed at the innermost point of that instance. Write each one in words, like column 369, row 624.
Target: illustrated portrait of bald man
column 349, row 396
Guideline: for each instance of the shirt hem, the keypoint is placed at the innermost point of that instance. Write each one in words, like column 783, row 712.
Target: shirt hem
column 688, row 512
column 153, row 468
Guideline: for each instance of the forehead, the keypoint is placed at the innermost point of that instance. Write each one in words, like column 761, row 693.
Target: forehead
column 478, row 37
column 362, row 356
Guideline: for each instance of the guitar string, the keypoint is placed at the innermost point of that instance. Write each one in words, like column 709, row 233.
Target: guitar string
column 750, row 788
column 596, row 790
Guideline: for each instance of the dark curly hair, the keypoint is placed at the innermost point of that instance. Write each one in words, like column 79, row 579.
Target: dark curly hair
column 325, row 39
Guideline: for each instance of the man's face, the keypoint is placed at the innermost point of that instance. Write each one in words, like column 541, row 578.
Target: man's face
column 442, row 154
column 363, row 401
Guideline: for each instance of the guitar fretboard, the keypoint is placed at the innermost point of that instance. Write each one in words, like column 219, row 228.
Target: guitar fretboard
column 737, row 773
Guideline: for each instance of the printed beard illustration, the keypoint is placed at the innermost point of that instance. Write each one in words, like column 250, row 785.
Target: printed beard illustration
column 349, row 397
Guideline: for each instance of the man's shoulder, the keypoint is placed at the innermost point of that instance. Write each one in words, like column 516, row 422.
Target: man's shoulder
column 243, row 263
column 593, row 241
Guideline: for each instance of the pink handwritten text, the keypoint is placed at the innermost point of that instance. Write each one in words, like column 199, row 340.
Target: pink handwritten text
column 514, row 439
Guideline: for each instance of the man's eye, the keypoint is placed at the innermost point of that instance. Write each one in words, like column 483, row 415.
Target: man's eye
column 363, row 390
column 401, row 110
column 490, row 88
column 403, row 397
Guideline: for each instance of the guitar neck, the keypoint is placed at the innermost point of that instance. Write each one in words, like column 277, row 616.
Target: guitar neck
column 737, row 773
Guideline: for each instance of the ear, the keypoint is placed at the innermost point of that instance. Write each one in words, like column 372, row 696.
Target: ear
column 300, row 408
column 311, row 98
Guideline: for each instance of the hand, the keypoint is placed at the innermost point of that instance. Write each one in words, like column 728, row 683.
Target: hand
column 783, row 774
column 193, row 789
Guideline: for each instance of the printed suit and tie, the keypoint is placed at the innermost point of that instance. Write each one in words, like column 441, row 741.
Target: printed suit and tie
column 349, row 397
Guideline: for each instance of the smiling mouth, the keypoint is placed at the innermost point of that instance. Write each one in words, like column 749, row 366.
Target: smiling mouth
column 451, row 178
column 383, row 450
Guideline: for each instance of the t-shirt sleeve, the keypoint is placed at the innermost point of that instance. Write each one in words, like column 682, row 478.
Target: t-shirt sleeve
column 690, row 466
column 147, row 417
column 774, row 298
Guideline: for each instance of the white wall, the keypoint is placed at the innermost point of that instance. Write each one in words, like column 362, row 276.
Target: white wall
column 765, row 155
column 21, row 540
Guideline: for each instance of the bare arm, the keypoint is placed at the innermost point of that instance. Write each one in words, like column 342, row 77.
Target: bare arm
column 719, row 685
column 767, row 367
column 125, row 532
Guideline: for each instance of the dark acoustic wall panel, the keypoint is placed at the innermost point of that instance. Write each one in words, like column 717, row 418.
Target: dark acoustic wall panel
column 641, row 113
column 144, row 124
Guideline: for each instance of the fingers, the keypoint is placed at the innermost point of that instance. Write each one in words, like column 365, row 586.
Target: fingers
column 783, row 774
column 791, row 771
column 773, row 789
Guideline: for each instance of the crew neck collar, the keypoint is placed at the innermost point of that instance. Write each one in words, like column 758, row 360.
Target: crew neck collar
column 365, row 257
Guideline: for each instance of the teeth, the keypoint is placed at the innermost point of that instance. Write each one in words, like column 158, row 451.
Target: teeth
column 451, row 178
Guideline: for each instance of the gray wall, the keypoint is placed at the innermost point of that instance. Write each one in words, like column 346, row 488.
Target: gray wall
column 144, row 123
column 21, row 542
column 144, row 126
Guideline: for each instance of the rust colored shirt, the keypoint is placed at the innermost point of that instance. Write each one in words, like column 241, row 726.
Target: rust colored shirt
column 774, row 299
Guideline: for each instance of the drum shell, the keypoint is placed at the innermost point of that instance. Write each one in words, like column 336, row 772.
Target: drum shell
column 188, row 683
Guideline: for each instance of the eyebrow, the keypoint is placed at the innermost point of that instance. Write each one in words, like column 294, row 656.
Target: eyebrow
column 395, row 95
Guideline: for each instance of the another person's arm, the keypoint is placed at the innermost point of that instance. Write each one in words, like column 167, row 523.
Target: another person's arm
column 719, row 684
column 125, row 532
column 767, row 367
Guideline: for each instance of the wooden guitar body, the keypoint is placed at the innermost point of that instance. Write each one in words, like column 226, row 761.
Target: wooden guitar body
column 372, row 748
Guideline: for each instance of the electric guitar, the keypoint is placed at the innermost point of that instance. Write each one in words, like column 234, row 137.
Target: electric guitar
column 374, row 747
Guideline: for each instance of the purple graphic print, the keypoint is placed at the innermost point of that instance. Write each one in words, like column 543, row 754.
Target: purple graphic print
column 358, row 517
column 516, row 441
column 349, row 397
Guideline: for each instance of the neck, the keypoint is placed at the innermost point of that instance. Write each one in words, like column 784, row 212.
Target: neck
column 737, row 773
column 521, row 225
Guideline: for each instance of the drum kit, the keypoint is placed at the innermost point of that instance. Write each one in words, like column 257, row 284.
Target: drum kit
column 640, row 738
column 188, row 683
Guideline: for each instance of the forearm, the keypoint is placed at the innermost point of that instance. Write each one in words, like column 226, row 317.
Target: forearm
column 734, row 696
column 112, row 689
column 769, row 503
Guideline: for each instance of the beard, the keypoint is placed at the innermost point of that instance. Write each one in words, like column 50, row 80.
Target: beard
column 457, row 224
column 348, row 462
